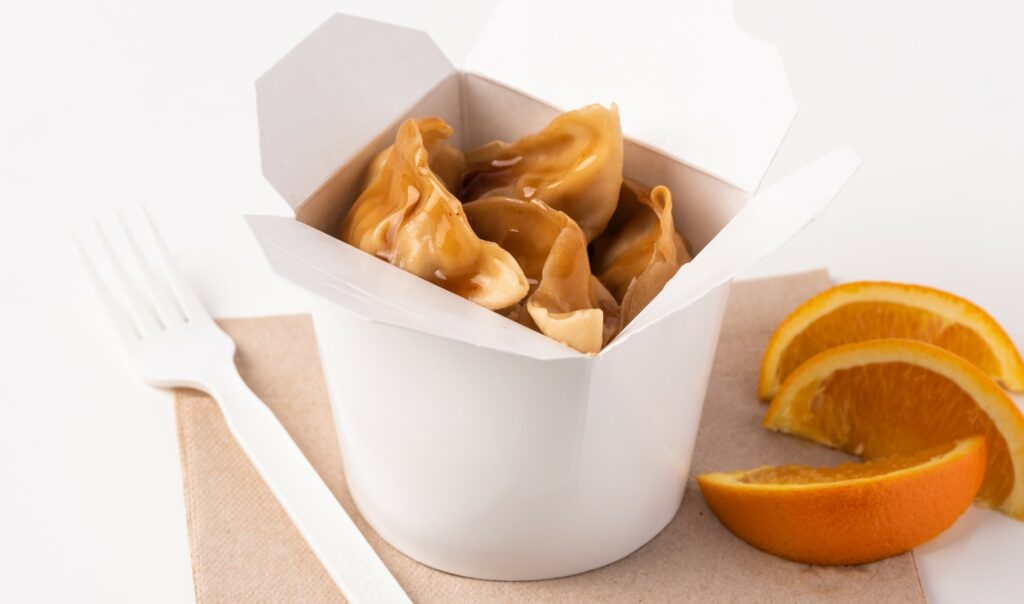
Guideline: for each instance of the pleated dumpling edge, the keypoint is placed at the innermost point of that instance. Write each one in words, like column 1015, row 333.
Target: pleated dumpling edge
column 566, row 302
column 408, row 217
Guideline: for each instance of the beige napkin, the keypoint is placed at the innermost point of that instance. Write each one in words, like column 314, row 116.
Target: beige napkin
column 244, row 548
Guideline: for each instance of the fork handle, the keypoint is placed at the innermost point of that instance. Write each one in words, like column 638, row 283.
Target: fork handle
column 327, row 528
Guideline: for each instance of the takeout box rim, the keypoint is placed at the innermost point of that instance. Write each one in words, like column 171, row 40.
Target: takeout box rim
column 756, row 230
column 449, row 71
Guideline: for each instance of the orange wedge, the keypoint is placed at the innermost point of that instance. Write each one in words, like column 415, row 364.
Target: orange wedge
column 896, row 397
column 851, row 514
column 855, row 312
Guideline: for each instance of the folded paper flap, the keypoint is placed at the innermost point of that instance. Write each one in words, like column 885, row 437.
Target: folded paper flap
column 687, row 80
column 767, row 221
column 320, row 103
column 380, row 292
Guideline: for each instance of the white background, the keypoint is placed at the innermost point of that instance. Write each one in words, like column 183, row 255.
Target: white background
column 108, row 104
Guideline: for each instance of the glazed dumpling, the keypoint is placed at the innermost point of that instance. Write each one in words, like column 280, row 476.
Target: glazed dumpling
column 640, row 250
column 573, row 165
column 566, row 302
column 447, row 162
column 407, row 217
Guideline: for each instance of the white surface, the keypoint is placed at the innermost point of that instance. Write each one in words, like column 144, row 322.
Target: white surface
column 106, row 104
column 172, row 342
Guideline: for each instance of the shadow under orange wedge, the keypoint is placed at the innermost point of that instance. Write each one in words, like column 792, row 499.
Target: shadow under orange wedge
column 867, row 310
column 897, row 397
column 851, row 514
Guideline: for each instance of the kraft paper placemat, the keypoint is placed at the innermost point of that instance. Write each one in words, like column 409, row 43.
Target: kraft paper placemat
column 244, row 548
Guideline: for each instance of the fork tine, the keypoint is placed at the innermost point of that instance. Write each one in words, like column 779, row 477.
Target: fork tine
column 139, row 306
column 123, row 322
column 167, row 305
column 194, row 309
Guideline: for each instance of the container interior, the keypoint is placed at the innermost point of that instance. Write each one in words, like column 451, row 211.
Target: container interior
column 482, row 110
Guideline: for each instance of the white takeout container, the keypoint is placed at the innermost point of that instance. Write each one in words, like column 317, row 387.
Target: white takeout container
column 470, row 442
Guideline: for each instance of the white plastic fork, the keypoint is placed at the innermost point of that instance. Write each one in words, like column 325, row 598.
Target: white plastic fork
column 172, row 342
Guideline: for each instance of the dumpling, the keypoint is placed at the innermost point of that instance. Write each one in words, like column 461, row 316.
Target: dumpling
column 640, row 250
column 407, row 217
column 567, row 302
column 447, row 162
column 570, row 304
column 573, row 165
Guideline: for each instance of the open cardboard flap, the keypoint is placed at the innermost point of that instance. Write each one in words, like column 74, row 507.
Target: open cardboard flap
column 335, row 91
column 687, row 79
column 693, row 86
column 768, row 220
